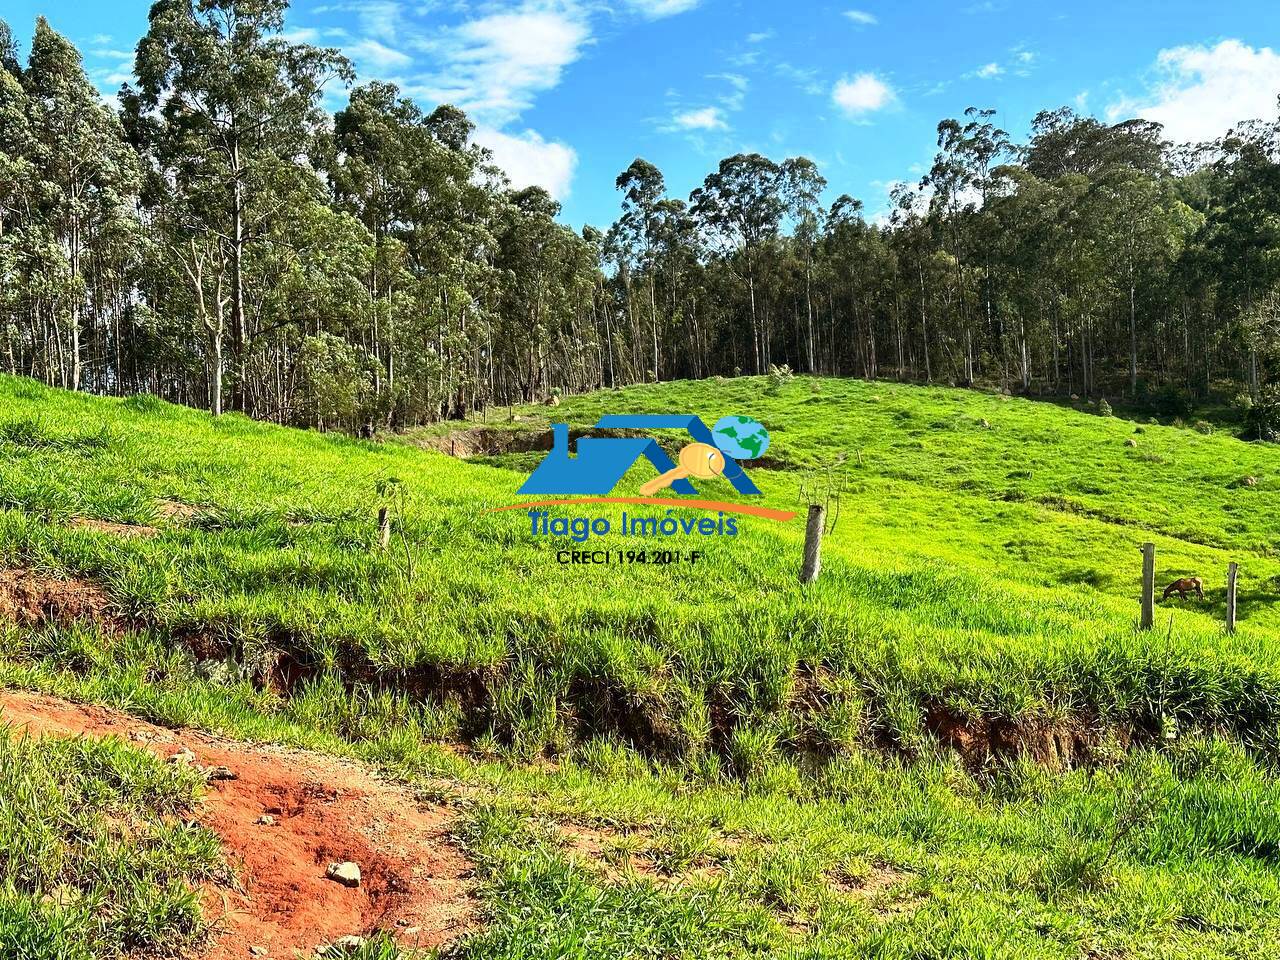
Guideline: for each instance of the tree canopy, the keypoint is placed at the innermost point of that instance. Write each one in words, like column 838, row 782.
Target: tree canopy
column 220, row 239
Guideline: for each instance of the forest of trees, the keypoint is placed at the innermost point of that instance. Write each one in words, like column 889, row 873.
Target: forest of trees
column 221, row 240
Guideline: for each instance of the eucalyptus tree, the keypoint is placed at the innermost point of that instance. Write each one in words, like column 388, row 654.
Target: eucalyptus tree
column 740, row 207
column 644, row 190
column 17, row 177
column 375, row 267
column 9, row 51
column 369, row 160
column 679, row 252
column 1241, row 232
column 862, row 272
column 429, row 198
column 1142, row 229
column 1062, row 143
column 225, row 109
column 802, row 186
column 87, row 178
column 547, row 289
column 1026, row 230
column 961, row 179
column 913, row 235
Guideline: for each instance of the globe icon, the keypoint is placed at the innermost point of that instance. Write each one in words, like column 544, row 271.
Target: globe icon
column 741, row 437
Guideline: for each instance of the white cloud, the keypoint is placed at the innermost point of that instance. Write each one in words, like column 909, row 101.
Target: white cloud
column 378, row 18
column 119, row 77
column 734, row 99
column 300, row 35
column 494, row 65
column 707, row 118
column 657, row 9
column 368, row 52
column 735, row 80
column 760, row 37
column 862, row 94
column 988, row 71
column 1202, row 91
column 862, row 17
column 806, row 78
column 529, row 160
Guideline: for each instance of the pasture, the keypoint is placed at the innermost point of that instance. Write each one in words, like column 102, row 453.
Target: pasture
column 956, row 743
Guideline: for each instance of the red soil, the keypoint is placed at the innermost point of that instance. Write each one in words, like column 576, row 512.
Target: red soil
column 414, row 878
column 30, row 599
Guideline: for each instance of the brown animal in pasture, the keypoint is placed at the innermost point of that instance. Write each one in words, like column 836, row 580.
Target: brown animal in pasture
column 1183, row 587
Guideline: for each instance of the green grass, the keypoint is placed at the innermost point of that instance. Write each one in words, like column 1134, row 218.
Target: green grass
column 985, row 571
column 95, row 859
column 761, row 762
column 1169, row 850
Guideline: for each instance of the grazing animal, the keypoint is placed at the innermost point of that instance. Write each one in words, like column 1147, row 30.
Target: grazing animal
column 1183, row 587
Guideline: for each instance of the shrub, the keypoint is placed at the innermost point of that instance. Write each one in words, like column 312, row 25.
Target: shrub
column 779, row 377
column 1262, row 414
column 1072, row 870
column 1203, row 426
column 1171, row 401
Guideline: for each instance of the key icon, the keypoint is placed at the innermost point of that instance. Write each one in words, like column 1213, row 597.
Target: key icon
column 699, row 460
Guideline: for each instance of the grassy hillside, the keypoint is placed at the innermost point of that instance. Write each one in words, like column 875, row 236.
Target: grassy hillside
column 984, row 567
column 727, row 764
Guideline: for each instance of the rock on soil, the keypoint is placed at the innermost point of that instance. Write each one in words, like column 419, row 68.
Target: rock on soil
column 327, row 810
column 345, row 873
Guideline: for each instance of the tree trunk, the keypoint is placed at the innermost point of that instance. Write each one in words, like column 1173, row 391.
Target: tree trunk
column 813, row 531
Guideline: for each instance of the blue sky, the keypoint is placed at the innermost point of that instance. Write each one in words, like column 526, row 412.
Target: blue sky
column 568, row 92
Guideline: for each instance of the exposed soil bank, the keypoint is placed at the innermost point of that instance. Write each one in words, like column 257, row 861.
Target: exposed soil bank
column 286, row 816
column 31, row 599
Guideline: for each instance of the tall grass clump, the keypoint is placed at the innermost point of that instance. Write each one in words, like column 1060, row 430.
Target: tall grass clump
column 96, row 856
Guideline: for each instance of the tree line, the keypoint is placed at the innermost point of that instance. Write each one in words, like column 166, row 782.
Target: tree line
column 218, row 238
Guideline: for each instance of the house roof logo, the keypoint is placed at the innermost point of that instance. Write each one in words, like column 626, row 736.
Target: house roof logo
column 601, row 462
column 594, row 469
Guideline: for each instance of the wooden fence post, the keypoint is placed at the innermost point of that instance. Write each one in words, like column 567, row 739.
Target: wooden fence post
column 813, row 543
column 384, row 527
column 1148, row 585
column 1233, row 569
